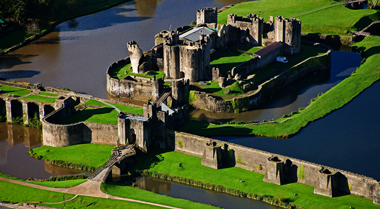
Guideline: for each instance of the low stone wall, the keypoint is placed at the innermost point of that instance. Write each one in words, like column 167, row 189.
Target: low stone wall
column 265, row 90
column 138, row 89
column 58, row 135
column 298, row 170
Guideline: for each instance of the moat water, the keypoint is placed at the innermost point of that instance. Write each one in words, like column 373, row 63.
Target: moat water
column 77, row 54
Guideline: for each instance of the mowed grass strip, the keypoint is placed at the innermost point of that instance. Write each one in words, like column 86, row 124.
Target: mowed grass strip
column 17, row 193
column 333, row 20
column 87, row 154
column 40, row 98
column 57, row 184
column 167, row 163
column 335, row 98
column 13, row 90
column 104, row 114
column 92, row 202
column 48, row 94
column 121, row 190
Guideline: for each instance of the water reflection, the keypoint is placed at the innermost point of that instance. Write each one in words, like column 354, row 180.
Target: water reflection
column 15, row 140
column 195, row 194
column 146, row 8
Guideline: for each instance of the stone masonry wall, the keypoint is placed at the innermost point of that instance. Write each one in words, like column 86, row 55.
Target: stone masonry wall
column 257, row 161
column 58, row 135
column 139, row 88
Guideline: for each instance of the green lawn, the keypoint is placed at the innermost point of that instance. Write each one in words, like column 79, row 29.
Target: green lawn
column 87, row 154
column 48, row 94
column 59, row 184
column 121, row 190
column 335, row 98
column 334, row 20
column 228, row 59
column 167, row 163
column 121, row 72
column 40, row 98
column 105, row 114
column 13, row 90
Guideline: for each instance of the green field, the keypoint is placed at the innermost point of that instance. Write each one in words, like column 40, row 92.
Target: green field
column 5, row 90
column 167, row 163
column 87, row 154
column 333, row 20
column 104, row 114
column 40, row 98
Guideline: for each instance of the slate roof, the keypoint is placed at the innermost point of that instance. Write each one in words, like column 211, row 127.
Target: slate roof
column 262, row 52
column 195, row 33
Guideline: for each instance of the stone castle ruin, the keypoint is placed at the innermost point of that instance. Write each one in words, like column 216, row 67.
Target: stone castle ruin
column 184, row 53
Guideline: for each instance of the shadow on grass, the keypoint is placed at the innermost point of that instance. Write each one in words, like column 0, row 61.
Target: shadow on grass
column 204, row 129
column 85, row 114
column 148, row 161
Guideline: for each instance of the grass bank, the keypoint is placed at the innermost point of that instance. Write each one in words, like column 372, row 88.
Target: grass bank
column 121, row 190
column 337, row 19
column 86, row 154
column 101, row 114
column 167, row 163
column 335, row 98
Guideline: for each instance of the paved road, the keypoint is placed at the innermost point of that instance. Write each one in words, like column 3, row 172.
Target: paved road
column 88, row 188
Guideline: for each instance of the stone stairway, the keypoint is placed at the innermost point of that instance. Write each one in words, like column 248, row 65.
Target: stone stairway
column 162, row 98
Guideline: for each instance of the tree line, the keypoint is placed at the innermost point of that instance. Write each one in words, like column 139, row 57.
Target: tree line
column 24, row 11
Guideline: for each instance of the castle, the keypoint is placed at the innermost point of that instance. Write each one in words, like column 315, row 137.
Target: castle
column 184, row 56
column 184, row 53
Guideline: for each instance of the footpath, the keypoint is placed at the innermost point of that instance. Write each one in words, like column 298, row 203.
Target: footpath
column 88, row 188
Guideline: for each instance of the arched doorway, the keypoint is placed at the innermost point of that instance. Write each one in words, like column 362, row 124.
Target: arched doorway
column 16, row 111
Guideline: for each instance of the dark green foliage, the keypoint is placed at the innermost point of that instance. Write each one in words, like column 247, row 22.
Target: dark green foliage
column 35, row 121
column 17, row 120
column 67, row 177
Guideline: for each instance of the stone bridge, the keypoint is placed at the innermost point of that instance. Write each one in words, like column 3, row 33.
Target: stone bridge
column 121, row 158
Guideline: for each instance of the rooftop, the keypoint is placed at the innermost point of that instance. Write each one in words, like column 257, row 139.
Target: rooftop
column 195, row 33
column 268, row 49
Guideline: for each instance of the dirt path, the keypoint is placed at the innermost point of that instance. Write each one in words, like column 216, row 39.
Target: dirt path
column 88, row 188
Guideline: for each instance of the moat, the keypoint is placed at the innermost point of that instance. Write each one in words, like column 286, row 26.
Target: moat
column 358, row 160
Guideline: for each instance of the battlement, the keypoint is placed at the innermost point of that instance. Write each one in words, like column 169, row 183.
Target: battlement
column 251, row 19
column 208, row 16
